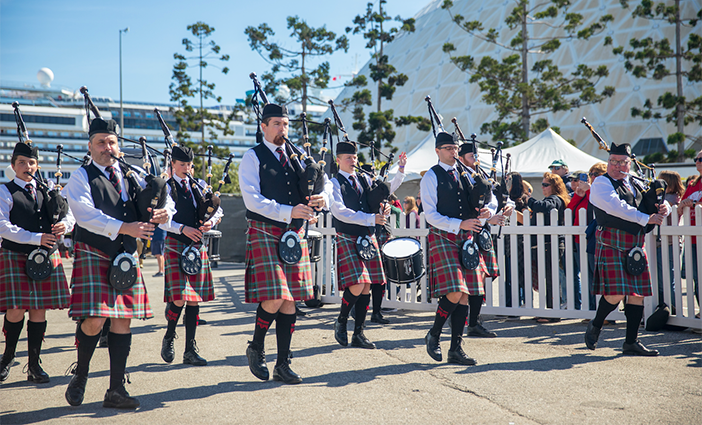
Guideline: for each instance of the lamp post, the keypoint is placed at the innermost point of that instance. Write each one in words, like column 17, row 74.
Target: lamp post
column 121, row 109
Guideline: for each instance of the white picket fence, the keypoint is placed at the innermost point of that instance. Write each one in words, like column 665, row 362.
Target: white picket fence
column 415, row 297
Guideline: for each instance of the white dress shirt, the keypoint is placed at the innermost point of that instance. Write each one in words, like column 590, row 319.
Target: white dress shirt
column 77, row 191
column 605, row 197
column 250, row 185
column 17, row 234
column 173, row 226
column 344, row 213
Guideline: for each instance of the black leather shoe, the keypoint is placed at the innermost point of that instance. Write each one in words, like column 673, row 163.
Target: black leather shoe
column 167, row 349
column 36, row 374
column 433, row 346
column 193, row 358
column 378, row 318
column 592, row 334
column 340, row 333
column 480, row 332
column 359, row 340
column 257, row 361
column 76, row 389
column 103, row 341
column 5, row 367
column 458, row 356
column 638, row 349
column 119, row 399
column 285, row 374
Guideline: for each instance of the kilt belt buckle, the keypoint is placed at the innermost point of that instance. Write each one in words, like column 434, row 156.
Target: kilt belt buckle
column 485, row 238
column 289, row 248
column 366, row 249
column 470, row 255
column 190, row 261
column 39, row 265
column 123, row 271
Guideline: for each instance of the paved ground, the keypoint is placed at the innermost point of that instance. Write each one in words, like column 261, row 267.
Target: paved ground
column 530, row 374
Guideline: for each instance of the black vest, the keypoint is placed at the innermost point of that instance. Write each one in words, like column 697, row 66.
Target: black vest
column 356, row 203
column 186, row 213
column 108, row 200
column 26, row 214
column 451, row 200
column 277, row 183
column 633, row 199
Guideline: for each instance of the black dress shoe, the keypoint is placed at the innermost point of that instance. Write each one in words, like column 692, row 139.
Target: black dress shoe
column 638, row 349
column 167, row 349
column 592, row 334
column 359, row 340
column 76, row 389
column 480, row 332
column 201, row 322
column 120, row 399
column 340, row 333
column 378, row 318
column 193, row 358
column 285, row 374
column 458, row 356
column 103, row 341
column 257, row 361
column 36, row 374
column 5, row 367
column 433, row 346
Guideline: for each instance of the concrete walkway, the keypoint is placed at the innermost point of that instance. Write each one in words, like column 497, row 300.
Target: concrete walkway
column 531, row 373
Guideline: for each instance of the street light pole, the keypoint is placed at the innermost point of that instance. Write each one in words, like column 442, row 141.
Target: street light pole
column 121, row 109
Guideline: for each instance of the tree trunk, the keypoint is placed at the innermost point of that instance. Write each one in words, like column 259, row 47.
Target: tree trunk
column 680, row 109
column 379, row 58
column 202, row 112
column 304, row 81
column 525, row 73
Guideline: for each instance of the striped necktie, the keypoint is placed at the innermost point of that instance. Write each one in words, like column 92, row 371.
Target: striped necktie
column 114, row 179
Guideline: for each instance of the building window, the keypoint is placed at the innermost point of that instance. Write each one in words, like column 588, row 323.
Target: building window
column 649, row 146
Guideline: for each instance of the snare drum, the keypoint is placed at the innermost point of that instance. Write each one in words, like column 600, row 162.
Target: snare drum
column 314, row 244
column 403, row 260
column 211, row 239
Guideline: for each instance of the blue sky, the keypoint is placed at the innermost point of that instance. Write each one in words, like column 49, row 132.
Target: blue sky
column 79, row 40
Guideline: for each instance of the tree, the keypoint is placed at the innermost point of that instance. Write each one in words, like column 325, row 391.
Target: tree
column 182, row 89
column 520, row 92
column 377, row 131
column 299, row 75
column 654, row 59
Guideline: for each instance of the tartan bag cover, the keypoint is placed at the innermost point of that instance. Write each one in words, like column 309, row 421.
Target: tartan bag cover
column 446, row 274
column 180, row 286
column 269, row 278
column 351, row 269
column 93, row 296
column 18, row 291
column 611, row 277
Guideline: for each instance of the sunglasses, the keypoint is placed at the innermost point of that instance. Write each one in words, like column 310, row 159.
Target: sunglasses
column 545, row 184
column 698, row 159
column 555, row 167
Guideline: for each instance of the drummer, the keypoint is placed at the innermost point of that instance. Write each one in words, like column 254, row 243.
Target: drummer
column 354, row 224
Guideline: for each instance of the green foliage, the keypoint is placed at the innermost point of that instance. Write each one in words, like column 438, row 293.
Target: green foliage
column 377, row 128
column 652, row 59
column 520, row 92
column 233, row 187
column 184, row 90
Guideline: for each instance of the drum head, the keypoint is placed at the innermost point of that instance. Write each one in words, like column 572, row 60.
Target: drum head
column 123, row 271
column 636, row 261
column 470, row 255
column 401, row 247
column 289, row 248
column 39, row 265
column 313, row 234
column 190, row 261
column 366, row 249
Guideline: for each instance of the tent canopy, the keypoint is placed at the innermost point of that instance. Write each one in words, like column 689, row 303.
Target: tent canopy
column 530, row 159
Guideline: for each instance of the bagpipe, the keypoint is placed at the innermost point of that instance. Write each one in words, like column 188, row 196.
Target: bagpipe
column 39, row 265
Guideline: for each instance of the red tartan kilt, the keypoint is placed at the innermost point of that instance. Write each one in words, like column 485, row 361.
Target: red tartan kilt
column 611, row 277
column 446, row 274
column 383, row 237
column 267, row 277
column 490, row 259
column 180, row 286
column 18, row 291
column 351, row 269
column 93, row 296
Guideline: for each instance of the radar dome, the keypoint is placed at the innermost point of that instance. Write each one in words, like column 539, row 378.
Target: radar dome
column 45, row 77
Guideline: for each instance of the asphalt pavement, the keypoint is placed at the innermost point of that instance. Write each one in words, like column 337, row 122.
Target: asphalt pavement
column 530, row 374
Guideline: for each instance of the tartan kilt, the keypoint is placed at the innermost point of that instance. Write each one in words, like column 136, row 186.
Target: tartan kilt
column 93, row 296
column 351, row 269
column 269, row 278
column 446, row 274
column 490, row 259
column 18, row 291
column 383, row 237
column 611, row 277
column 180, row 286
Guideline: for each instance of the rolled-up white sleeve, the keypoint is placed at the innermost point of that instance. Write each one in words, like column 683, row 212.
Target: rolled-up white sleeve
column 250, row 185
column 345, row 214
column 605, row 197
column 427, row 189
column 397, row 181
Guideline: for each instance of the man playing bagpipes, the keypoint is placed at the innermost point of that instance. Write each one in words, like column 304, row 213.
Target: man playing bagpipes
column 184, row 230
column 30, row 232
column 106, row 280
